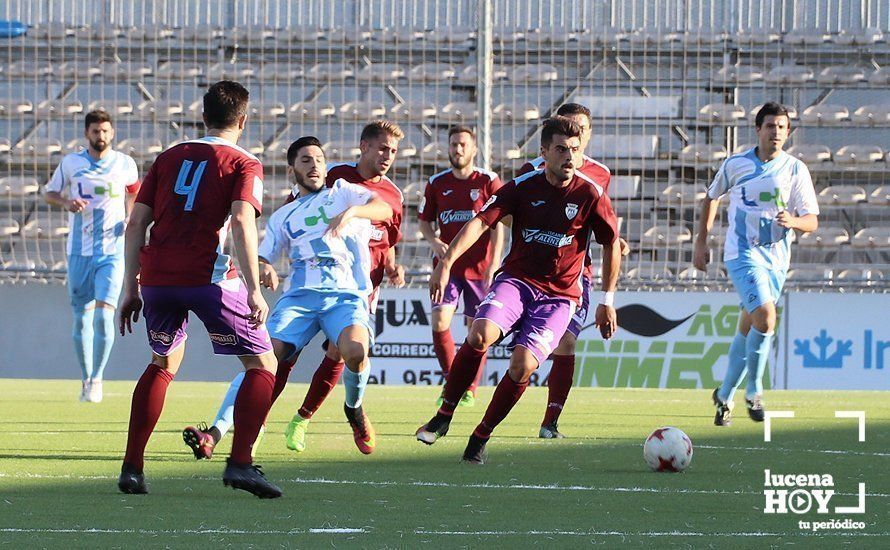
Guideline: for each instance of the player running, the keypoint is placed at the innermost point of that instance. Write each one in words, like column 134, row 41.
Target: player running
column 450, row 200
column 102, row 185
column 770, row 194
column 192, row 194
column 535, row 293
column 562, row 370
column 326, row 233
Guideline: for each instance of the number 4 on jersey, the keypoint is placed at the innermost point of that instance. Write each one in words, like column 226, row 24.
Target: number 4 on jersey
column 189, row 190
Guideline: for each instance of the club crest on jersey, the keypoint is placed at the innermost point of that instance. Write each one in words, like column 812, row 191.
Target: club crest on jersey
column 474, row 195
column 571, row 210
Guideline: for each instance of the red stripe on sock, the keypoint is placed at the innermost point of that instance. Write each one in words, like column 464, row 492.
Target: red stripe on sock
column 562, row 373
column 251, row 407
column 505, row 397
column 323, row 381
column 147, row 404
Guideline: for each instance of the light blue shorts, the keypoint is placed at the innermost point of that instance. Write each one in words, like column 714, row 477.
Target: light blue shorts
column 756, row 284
column 298, row 317
column 95, row 278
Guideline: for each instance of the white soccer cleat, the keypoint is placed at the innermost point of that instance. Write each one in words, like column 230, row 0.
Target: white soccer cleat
column 94, row 395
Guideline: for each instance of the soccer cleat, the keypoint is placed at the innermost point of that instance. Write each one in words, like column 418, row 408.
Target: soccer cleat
column 434, row 429
column 468, row 399
column 250, row 478
column 475, row 451
column 724, row 410
column 362, row 430
column 295, row 433
column 94, row 395
column 199, row 441
column 131, row 482
column 550, row 431
column 755, row 407
column 84, row 391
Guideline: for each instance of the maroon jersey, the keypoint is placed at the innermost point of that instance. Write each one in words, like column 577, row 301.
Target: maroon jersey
column 551, row 229
column 385, row 234
column 190, row 189
column 594, row 170
column 451, row 203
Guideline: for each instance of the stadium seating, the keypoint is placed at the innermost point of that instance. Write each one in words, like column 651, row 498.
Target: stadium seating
column 790, row 74
column 721, row 113
column 810, row 154
column 825, row 114
column 842, row 74
column 842, row 195
column 858, row 154
column 737, row 74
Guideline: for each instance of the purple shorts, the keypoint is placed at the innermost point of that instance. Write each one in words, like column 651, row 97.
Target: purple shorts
column 222, row 307
column 538, row 319
column 580, row 316
column 472, row 291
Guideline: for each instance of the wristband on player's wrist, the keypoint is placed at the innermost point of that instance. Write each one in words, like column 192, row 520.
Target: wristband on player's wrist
column 608, row 298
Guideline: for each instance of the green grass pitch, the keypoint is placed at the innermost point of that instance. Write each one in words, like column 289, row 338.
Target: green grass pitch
column 59, row 461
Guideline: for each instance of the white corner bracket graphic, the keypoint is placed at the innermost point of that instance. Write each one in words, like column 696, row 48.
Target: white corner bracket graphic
column 854, row 414
column 768, row 424
column 860, row 509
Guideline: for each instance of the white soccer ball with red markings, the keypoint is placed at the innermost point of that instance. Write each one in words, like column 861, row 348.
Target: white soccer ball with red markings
column 668, row 449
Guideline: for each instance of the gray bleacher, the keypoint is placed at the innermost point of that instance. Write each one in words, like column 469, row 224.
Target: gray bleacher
column 673, row 87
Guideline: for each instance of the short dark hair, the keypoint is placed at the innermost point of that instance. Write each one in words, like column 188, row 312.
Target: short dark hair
column 461, row 129
column 97, row 116
column 295, row 147
column 771, row 108
column 380, row 127
column 558, row 125
column 574, row 109
column 224, row 102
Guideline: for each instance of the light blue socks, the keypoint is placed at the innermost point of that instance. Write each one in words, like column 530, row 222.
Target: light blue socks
column 355, row 383
column 82, row 333
column 226, row 415
column 736, row 370
column 103, row 339
column 757, row 347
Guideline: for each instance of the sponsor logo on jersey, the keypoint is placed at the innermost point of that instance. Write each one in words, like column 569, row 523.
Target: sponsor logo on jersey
column 549, row 238
column 474, row 195
column 455, row 216
column 376, row 234
column 447, row 192
column 571, row 210
column 537, row 203
column 223, row 339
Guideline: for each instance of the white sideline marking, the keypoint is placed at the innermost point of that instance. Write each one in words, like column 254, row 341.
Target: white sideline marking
column 313, row 531
column 823, row 451
column 440, row 484
column 767, row 421
column 854, row 414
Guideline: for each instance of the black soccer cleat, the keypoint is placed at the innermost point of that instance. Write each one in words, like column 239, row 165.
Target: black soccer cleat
column 550, row 431
column 434, row 429
column 755, row 408
column 723, row 417
column 131, row 482
column 250, row 478
column 475, row 452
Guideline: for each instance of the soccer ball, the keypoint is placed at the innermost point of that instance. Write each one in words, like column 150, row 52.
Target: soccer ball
column 668, row 449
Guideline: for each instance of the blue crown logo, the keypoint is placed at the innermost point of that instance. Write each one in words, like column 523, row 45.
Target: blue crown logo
column 842, row 349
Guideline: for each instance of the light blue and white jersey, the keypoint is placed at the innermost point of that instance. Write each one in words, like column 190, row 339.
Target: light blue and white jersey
column 99, row 228
column 318, row 260
column 758, row 191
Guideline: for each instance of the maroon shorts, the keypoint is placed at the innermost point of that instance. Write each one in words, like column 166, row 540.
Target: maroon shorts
column 222, row 307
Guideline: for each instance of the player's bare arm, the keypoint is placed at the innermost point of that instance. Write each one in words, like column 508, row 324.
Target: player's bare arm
column 429, row 233
column 134, row 238
column 268, row 274
column 394, row 271
column 606, row 318
column 376, row 210
column 498, row 245
column 72, row 205
column 705, row 223
column 244, row 235
column 804, row 224
column 467, row 237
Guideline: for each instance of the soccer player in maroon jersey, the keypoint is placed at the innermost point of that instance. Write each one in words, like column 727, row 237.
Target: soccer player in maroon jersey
column 450, row 200
column 555, row 211
column 562, row 370
column 379, row 143
column 193, row 193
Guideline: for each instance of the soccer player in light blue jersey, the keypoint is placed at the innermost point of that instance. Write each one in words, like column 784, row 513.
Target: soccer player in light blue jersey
column 325, row 232
column 101, row 185
column 770, row 194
